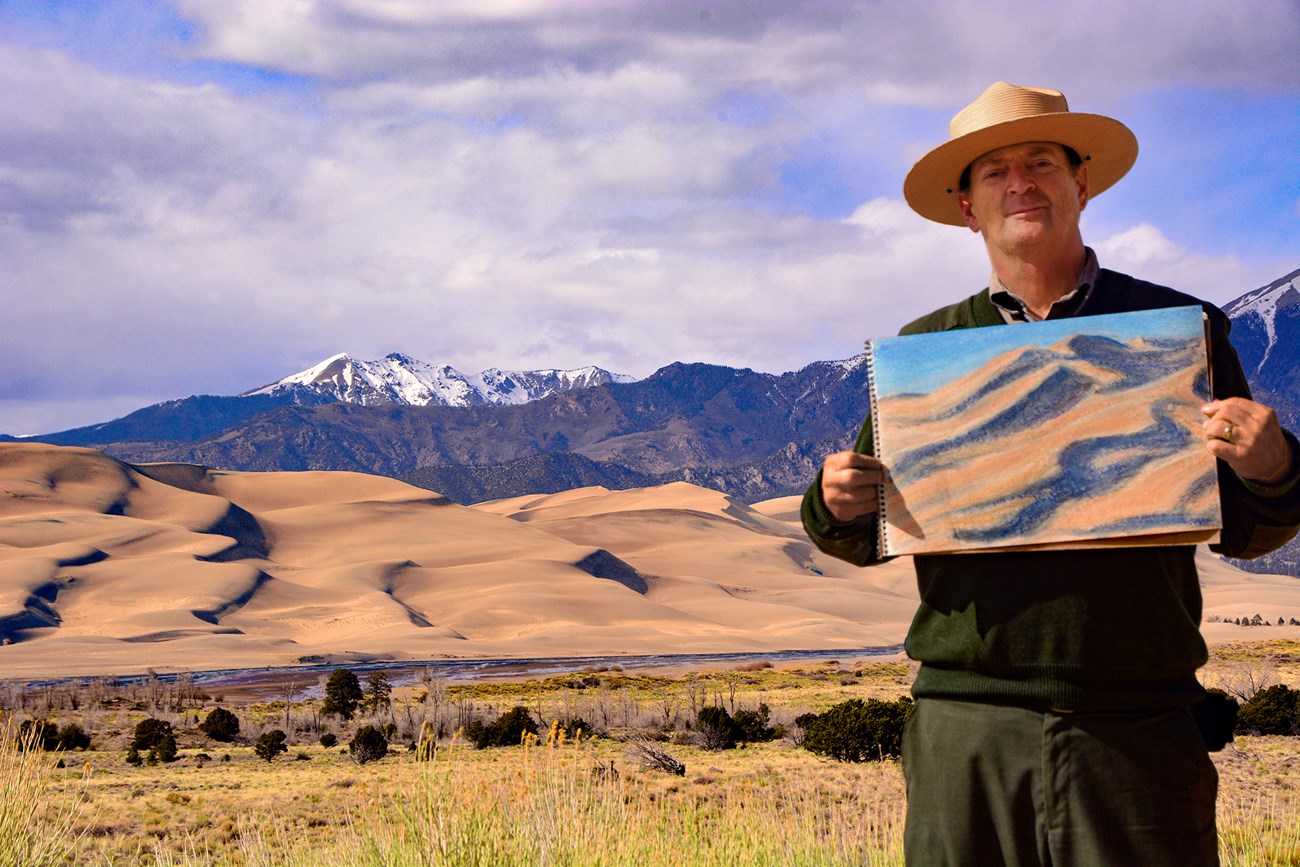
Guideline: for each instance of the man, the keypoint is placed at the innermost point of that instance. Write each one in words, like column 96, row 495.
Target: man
column 1057, row 698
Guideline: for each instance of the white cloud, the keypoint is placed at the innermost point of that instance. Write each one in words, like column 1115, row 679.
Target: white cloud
column 1145, row 252
column 536, row 183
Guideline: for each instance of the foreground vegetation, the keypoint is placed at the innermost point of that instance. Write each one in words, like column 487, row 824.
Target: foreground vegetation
column 555, row 800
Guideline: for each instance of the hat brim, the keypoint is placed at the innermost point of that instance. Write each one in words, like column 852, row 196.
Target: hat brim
column 1107, row 147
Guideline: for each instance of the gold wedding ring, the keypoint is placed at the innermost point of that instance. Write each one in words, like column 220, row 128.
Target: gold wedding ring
column 1226, row 436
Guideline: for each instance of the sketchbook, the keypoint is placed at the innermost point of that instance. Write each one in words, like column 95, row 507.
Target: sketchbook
column 1066, row 433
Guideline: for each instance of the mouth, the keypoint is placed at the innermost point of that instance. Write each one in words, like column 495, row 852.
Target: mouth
column 1024, row 210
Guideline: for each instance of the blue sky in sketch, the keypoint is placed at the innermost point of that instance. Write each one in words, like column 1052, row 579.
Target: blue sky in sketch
column 201, row 197
column 923, row 363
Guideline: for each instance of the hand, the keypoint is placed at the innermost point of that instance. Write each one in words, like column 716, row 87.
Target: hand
column 850, row 483
column 1248, row 438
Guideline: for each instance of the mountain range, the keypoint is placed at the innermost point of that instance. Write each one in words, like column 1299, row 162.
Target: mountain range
column 500, row 433
column 402, row 380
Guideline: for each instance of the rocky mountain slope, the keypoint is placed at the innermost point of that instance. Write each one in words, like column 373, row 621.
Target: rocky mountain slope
column 752, row 432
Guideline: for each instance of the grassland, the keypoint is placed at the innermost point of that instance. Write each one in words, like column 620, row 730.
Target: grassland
column 584, row 802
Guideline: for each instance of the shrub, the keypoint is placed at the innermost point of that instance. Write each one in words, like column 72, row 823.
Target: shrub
column 342, row 694
column 752, row 726
column 328, row 740
column 716, row 729
column 857, row 730
column 575, row 727
column 220, row 725
column 150, row 732
column 270, row 745
column 38, row 734
column 165, row 751
column 507, row 731
column 1270, row 711
column 73, row 737
column 369, row 745
column 133, row 756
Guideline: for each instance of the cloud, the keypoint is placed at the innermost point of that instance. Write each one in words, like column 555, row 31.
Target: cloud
column 538, row 184
column 911, row 52
column 1144, row 251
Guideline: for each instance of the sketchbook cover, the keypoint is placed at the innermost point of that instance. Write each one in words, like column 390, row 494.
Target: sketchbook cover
column 1068, row 433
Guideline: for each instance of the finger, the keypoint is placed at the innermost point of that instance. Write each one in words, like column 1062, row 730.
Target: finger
column 862, row 477
column 1222, row 429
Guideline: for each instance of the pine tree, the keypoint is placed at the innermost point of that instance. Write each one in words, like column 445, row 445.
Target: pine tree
column 342, row 694
column 379, row 691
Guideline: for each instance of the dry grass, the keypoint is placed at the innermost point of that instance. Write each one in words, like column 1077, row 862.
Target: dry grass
column 539, row 805
column 39, row 806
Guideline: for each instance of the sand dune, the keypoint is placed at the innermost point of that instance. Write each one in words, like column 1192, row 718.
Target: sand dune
column 111, row 568
column 107, row 568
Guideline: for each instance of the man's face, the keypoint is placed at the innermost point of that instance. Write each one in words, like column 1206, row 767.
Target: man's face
column 1024, row 196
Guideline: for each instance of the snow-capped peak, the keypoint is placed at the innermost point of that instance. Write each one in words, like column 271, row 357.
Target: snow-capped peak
column 1265, row 302
column 400, row 379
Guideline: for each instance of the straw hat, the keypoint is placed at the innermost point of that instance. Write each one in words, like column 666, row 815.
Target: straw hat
column 1008, row 114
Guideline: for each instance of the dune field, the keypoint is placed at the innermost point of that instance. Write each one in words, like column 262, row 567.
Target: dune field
column 108, row 568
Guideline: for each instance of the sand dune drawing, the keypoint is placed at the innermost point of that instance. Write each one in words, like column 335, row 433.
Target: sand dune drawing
column 1086, row 435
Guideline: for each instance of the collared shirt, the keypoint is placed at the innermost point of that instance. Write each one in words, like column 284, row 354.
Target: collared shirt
column 1015, row 310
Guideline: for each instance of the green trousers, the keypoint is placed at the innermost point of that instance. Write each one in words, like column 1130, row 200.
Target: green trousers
column 1004, row 785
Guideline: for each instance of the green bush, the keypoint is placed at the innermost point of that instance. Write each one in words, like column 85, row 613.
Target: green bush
column 1270, row 711
column 38, row 734
column 507, row 730
column 165, row 751
column 73, row 737
column 220, row 725
column 716, row 729
column 575, row 726
column 270, row 745
column 150, row 732
column 328, row 739
column 368, row 745
column 752, row 725
column 857, row 730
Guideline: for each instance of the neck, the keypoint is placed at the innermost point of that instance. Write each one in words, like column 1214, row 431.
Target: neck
column 1040, row 282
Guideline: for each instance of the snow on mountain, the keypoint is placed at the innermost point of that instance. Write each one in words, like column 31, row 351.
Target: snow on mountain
column 400, row 379
column 1268, row 303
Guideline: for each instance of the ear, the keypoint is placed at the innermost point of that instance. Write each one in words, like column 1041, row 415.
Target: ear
column 967, row 213
column 1081, row 182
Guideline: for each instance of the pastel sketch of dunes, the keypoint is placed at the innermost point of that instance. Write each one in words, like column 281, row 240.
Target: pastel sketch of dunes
column 1089, row 438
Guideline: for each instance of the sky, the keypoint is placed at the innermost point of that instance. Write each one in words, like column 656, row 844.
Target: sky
column 204, row 196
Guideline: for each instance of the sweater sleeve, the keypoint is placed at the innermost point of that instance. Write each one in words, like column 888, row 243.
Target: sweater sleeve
column 856, row 542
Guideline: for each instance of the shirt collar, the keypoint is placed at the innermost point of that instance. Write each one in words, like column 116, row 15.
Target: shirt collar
column 1015, row 310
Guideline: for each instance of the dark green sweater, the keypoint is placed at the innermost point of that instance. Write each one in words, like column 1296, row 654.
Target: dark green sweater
column 1099, row 629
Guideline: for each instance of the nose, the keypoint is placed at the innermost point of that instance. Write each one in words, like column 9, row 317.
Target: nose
column 1019, row 180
